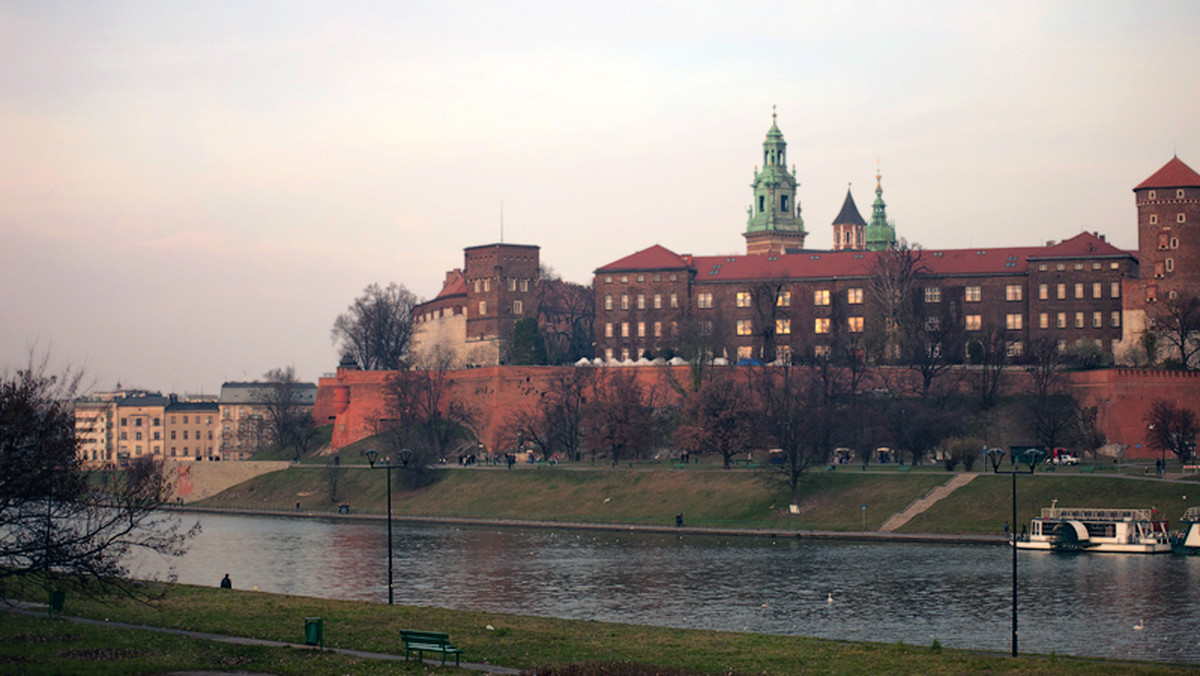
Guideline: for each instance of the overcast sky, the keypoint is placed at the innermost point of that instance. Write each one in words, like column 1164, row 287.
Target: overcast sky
column 191, row 192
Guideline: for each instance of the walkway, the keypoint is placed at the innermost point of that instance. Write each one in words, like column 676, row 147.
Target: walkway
column 931, row 498
column 40, row 610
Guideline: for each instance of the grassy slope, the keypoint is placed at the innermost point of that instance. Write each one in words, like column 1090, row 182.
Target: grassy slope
column 40, row 646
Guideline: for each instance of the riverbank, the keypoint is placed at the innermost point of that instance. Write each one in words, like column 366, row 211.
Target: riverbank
column 36, row 645
column 845, row 503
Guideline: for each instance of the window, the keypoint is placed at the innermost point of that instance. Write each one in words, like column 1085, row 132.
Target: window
column 624, row 329
column 641, row 301
column 608, row 330
column 1180, row 218
column 854, row 296
column 641, row 329
column 487, row 285
column 1044, row 320
column 1097, row 290
column 1158, row 270
column 1014, row 322
column 974, row 322
column 783, row 326
column 608, row 354
column 1097, row 320
column 482, row 308
column 783, row 353
column 704, row 300
column 673, row 277
column 1013, row 292
column 1014, row 348
column 854, row 324
column 608, row 304
column 674, row 300
column 185, row 419
column 1164, row 240
column 973, row 294
column 1060, row 266
column 658, row 276
column 745, row 352
column 821, row 297
column 784, row 299
column 1170, row 265
column 658, row 329
column 1078, row 290
column 607, row 280
column 157, row 436
column 706, row 328
column 1043, row 292
column 172, row 435
column 641, row 278
column 1152, row 194
column 524, row 284
column 477, row 286
column 1115, row 319
column 743, row 299
column 1078, row 265
column 820, row 351
column 1060, row 320
column 1179, row 194
column 1096, row 265
column 933, row 323
column 512, row 284
column 1042, row 267
column 157, row 422
column 1153, row 219
column 624, row 279
column 1060, row 291
column 1114, row 290
column 821, row 325
column 933, row 294
column 1079, row 320
column 744, row 327
column 658, row 301
column 624, row 301
column 518, row 307
column 184, row 435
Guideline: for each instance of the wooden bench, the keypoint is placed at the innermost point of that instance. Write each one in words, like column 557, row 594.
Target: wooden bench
column 428, row 641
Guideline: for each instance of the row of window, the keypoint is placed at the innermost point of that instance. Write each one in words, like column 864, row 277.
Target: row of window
column 657, row 299
column 1154, row 194
column 658, row 277
column 137, row 436
column 1179, row 218
column 485, row 285
column 1078, row 265
column 157, row 422
column 518, row 307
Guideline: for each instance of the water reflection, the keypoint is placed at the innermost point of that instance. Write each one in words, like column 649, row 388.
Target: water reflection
column 960, row 595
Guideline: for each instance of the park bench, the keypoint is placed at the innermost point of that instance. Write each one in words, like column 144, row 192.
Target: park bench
column 428, row 641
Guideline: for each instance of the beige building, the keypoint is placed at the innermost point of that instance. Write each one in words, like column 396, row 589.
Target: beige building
column 190, row 432
column 244, row 418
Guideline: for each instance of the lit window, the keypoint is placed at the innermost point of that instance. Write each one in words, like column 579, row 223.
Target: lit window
column 1043, row 292
column 658, row 329
column 657, row 301
column 624, row 301
column 512, row 285
column 641, row 301
column 1013, row 292
column 1078, row 290
column 784, row 299
column 821, row 297
column 974, row 322
column 744, row 327
column 1060, row 320
column 1115, row 319
column 973, row 294
column 608, row 330
column 641, row 328
column 1044, row 320
column 674, row 300
column 1061, row 291
column 1097, row 320
column 624, row 329
column 1060, row 266
column 607, row 280
column 624, row 279
column 783, row 353
column 641, row 278
column 743, row 299
column 933, row 294
column 1079, row 320
column 783, row 326
column 524, row 284
column 1097, row 290
column 1014, row 322
column 933, row 323
column 821, row 325
column 1014, row 348
column 854, row 296
column 704, row 300
column 820, row 351
column 608, row 304
column 745, row 352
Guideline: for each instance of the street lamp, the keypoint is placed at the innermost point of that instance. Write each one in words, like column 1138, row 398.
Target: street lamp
column 372, row 456
column 1030, row 457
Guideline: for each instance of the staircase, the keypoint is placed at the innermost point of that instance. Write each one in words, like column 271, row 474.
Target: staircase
column 925, row 502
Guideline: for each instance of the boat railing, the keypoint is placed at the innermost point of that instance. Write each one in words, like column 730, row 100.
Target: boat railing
column 1192, row 515
column 1096, row 514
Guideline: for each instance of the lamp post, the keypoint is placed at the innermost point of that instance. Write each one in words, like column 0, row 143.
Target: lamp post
column 387, row 466
column 1030, row 458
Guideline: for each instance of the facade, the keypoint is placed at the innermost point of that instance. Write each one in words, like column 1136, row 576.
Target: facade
column 243, row 414
column 780, row 301
column 443, row 321
column 190, row 431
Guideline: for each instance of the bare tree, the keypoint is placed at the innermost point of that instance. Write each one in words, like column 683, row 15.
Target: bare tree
column 376, row 330
column 1172, row 428
column 555, row 423
column 288, row 411
column 1054, row 415
column 892, row 283
column 989, row 353
column 1176, row 325
column 422, row 400
column 618, row 418
column 56, row 518
column 566, row 315
column 798, row 420
column 718, row 419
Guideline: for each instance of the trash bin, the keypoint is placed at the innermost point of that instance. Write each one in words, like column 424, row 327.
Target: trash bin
column 57, row 598
column 314, row 631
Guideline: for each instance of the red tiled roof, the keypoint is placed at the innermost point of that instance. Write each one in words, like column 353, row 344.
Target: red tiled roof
column 1174, row 174
column 454, row 286
column 832, row 264
column 656, row 257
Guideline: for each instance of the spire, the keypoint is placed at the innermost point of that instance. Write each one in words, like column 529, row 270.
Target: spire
column 881, row 234
column 849, row 214
column 773, row 221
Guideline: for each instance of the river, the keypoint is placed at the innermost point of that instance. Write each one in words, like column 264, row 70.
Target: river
column 960, row 595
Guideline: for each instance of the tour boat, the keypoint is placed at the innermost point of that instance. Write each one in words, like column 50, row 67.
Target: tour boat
column 1086, row 529
column 1188, row 542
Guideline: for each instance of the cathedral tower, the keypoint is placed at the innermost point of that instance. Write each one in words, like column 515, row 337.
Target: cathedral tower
column 849, row 227
column 881, row 235
column 775, row 226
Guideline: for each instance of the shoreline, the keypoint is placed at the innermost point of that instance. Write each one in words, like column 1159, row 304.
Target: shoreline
column 771, row 533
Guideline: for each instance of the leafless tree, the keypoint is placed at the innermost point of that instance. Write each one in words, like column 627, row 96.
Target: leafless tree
column 555, row 422
column 376, row 330
column 989, row 353
column 720, row 419
column 59, row 523
column 288, row 413
column 423, row 400
column 892, row 284
column 1172, row 428
column 798, row 420
column 618, row 416
column 1176, row 326
column 566, row 314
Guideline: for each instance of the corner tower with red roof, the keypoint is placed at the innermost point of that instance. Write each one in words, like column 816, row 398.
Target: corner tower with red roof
column 1168, row 207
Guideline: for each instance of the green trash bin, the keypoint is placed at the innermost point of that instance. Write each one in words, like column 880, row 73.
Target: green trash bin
column 57, row 598
column 314, row 631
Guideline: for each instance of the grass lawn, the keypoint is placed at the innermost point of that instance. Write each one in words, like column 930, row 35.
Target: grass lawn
column 37, row 645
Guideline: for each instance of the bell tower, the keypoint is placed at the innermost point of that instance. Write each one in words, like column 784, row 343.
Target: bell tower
column 774, row 226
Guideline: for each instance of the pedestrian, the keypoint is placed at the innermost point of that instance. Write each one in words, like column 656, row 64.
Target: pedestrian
column 679, row 520
column 226, row 583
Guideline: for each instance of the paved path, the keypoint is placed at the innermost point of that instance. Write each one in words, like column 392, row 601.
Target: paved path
column 40, row 609
column 925, row 502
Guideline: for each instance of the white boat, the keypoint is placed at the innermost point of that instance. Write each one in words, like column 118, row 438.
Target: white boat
column 1188, row 542
column 1086, row 529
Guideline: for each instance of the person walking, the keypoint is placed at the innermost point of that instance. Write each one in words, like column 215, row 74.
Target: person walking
column 226, row 583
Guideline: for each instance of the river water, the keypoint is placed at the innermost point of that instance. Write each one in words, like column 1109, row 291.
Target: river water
column 960, row 595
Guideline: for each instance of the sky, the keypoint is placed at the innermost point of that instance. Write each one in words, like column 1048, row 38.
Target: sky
column 191, row 192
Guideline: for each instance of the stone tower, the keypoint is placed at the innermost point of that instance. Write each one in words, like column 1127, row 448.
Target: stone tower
column 775, row 225
column 849, row 228
column 1168, row 207
column 881, row 235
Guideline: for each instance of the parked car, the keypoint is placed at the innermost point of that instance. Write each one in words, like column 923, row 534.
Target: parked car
column 1065, row 458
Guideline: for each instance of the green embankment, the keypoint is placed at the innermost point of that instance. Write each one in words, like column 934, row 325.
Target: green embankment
column 733, row 499
column 33, row 646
